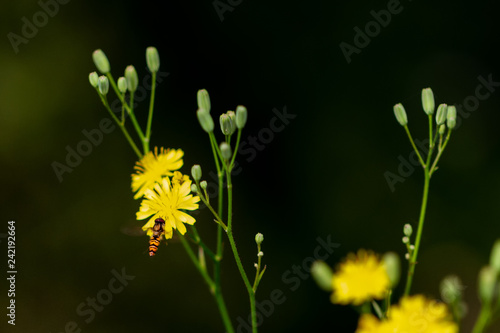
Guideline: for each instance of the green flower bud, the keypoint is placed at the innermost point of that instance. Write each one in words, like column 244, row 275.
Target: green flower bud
column 225, row 124
column 451, row 117
column 203, row 184
column 205, row 119
column 225, row 150
column 487, row 280
column 442, row 129
column 203, row 100
column 495, row 257
column 393, row 267
column 152, row 59
column 194, row 188
column 101, row 61
column 451, row 289
column 196, row 172
column 232, row 119
column 94, row 79
column 405, row 240
column 259, row 238
column 428, row 101
column 103, row 85
column 322, row 274
column 132, row 79
column 400, row 113
column 441, row 114
column 122, row 84
column 407, row 230
column 241, row 116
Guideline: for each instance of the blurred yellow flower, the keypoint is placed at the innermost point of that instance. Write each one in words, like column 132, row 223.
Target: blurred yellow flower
column 168, row 201
column 414, row 314
column 153, row 166
column 360, row 278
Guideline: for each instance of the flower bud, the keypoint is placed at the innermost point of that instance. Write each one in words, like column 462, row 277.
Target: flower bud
column 194, row 188
column 152, row 59
column 393, row 267
column 241, row 116
column 451, row 117
column 405, row 240
column 322, row 274
column 132, row 79
column 451, row 289
column 428, row 100
column 205, row 119
column 495, row 257
column 122, row 84
column 203, row 100
column 442, row 129
column 225, row 151
column 487, row 279
column 260, row 254
column 101, row 61
column 407, row 229
column 259, row 238
column 203, row 184
column 225, row 124
column 400, row 113
column 94, row 79
column 103, row 85
column 196, row 172
column 232, row 118
column 441, row 114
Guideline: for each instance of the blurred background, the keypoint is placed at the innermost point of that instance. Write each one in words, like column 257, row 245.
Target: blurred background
column 322, row 175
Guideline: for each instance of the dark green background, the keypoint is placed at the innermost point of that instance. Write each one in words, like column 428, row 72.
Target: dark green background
column 323, row 175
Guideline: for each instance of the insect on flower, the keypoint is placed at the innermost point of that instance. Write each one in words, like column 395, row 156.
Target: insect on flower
column 158, row 230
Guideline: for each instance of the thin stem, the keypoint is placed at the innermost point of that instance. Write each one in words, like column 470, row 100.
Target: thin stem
column 257, row 271
column 151, row 107
column 122, row 127
column 432, row 141
column 440, row 151
column 195, row 261
column 387, row 303
column 377, row 309
column 130, row 110
column 251, row 293
column 197, row 240
column 413, row 258
column 483, row 320
column 235, row 149
column 218, row 297
column 414, row 147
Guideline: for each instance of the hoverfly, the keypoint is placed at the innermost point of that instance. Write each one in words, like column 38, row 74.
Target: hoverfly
column 158, row 231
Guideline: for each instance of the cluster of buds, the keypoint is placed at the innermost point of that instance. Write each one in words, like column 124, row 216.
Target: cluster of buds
column 445, row 113
column 407, row 231
column 129, row 81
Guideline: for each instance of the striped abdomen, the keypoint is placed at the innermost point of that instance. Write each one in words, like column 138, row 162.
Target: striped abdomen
column 154, row 242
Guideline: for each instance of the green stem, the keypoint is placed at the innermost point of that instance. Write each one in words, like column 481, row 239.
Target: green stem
column 251, row 293
column 413, row 258
column 431, row 143
column 377, row 309
column 151, row 107
column 121, row 125
column 440, row 152
column 414, row 147
column 130, row 110
column 218, row 297
column 483, row 320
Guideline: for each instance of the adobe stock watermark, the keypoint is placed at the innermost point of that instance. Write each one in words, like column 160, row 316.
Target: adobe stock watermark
column 372, row 29
column 223, row 6
column 88, row 308
column 94, row 137
column 30, row 27
column 406, row 167
column 292, row 278
column 252, row 145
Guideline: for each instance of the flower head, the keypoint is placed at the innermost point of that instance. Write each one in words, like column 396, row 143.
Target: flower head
column 153, row 166
column 168, row 201
column 414, row 314
column 360, row 278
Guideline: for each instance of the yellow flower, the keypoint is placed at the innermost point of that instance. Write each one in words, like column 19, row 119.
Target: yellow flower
column 360, row 278
column 168, row 201
column 414, row 314
column 153, row 166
